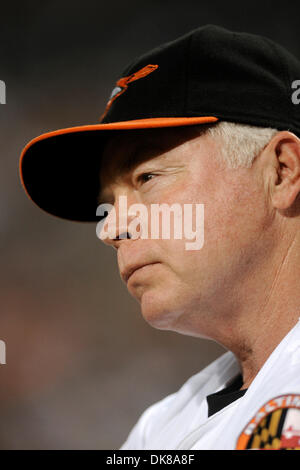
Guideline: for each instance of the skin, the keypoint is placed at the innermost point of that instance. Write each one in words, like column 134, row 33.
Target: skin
column 242, row 288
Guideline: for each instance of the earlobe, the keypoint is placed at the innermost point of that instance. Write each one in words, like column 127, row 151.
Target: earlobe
column 286, row 152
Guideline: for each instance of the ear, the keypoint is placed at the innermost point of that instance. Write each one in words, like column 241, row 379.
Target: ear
column 284, row 157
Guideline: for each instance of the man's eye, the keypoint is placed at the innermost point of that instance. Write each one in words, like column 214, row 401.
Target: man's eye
column 144, row 177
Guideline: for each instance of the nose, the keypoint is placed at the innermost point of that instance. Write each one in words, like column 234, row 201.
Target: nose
column 114, row 228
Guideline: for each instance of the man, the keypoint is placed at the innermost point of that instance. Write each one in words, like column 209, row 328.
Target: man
column 206, row 120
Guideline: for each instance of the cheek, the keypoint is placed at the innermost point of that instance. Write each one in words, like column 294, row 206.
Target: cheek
column 234, row 216
column 234, row 219
column 235, row 232
column 234, row 203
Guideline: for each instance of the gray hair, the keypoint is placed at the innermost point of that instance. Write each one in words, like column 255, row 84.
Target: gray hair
column 240, row 143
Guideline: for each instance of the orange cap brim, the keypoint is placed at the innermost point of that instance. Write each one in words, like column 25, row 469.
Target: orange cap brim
column 150, row 123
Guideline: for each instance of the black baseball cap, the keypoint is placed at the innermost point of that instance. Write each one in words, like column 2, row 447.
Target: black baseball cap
column 208, row 75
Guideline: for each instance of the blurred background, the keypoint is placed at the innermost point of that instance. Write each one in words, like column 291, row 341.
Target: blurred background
column 81, row 363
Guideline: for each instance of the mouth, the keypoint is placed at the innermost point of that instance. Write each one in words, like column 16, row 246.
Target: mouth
column 129, row 272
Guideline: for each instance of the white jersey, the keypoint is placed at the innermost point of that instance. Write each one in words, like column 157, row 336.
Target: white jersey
column 266, row 416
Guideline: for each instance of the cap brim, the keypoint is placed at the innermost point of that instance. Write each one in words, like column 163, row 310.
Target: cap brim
column 59, row 170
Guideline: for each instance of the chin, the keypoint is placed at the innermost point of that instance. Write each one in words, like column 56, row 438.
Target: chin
column 173, row 314
column 158, row 313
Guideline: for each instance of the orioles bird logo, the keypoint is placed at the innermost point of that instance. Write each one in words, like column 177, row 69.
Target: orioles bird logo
column 122, row 84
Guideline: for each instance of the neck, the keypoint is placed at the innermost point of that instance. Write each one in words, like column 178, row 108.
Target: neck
column 268, row 308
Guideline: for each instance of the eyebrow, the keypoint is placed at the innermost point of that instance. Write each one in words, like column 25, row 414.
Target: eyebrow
column 132, row 161
column 141, row 150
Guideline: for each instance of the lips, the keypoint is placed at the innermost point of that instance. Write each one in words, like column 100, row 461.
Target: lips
column 127, row 272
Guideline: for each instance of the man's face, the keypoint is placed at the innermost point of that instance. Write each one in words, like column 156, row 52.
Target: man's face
column 179, row 289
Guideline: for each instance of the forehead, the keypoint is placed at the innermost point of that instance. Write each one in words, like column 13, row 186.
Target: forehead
column 124, row 150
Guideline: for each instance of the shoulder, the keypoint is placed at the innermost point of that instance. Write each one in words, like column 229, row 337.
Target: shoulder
column 158, row 416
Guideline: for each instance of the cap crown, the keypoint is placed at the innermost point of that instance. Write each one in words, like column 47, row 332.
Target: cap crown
column 211, row 71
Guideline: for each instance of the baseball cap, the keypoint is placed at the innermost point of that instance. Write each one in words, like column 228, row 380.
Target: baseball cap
column 205, row 76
